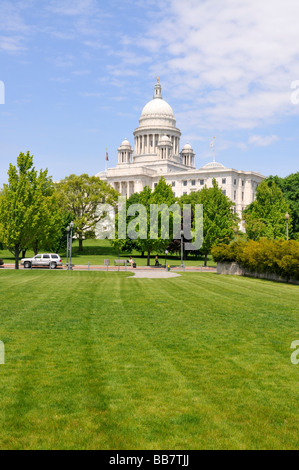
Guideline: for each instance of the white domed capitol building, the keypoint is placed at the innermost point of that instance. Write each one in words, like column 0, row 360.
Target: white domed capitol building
column 157, row 153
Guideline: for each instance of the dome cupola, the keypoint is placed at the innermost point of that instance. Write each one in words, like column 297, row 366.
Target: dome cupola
column 125, row 152
column 188, row 156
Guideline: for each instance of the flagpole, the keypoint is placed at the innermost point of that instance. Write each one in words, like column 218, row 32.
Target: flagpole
column 106, row 162
column 213, row 147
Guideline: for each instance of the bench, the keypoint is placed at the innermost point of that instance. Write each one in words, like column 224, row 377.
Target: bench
column 120, row 262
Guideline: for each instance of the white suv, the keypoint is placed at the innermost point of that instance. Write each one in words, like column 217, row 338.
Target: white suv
column 50, row 260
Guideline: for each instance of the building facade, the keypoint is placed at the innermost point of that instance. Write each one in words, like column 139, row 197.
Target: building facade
column 157, row 152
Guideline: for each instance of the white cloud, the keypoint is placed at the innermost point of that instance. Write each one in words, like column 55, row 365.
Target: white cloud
column 81, row 72
column 234, row 61
column 262, row 141
column 11, row 44
column 72, row 7
column 14, row 31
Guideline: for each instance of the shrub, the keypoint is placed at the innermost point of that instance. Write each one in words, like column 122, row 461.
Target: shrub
column 264, row 256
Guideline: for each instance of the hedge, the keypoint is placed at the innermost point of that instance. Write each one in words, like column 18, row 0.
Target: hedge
column 279, row 257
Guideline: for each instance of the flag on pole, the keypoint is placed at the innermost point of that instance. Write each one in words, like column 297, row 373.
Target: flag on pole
column 212, row 144
column 107, row 157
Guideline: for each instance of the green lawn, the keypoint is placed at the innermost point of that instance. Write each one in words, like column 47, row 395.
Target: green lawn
column 103, row 361
column 95, row 251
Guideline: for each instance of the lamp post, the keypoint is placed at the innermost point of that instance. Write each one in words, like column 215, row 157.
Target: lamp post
column 182, row 248
column 70, row 245
column 287, row 216
column 67, row 244
column 166, row 253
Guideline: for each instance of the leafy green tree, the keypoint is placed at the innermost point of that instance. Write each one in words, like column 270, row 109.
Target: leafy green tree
column 290, row 188
column 25, row 206
column 162, row 195
column 219, row 218
column 265, row 217
column 52, row 225
column 81, row 197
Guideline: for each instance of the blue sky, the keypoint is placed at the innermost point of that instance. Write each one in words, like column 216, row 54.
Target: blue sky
column 77, row 74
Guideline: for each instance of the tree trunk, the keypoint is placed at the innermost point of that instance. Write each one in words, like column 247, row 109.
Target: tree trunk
column 17, row 255
column 24, row 253
column 148, row 258
column 206, row 259
column 142, row 254
column 80, row 245
column 35, row 248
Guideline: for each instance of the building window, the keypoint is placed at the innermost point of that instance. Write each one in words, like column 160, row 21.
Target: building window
column 242, row 196
column 235, row 195
column 223, row 180
column 235, row 182
column 173, row 194
column 224, row 192
column 156, row 184
column 193, row 182
column 184, row 194
column 151, row 143
column 185, row 183
column 202, row 182
column 173, row 183
column 243, row 182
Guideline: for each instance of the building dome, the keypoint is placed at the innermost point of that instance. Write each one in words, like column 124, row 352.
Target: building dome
column 165, row 140
column 213, row 165
column 125, row 143
column 187, row 147
column 157, row 112
column 156, row 108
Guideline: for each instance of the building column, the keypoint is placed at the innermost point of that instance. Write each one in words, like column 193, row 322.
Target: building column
column 128, row 189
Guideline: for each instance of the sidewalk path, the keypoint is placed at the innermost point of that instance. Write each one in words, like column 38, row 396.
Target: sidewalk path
column 154, row 274
column 149, row 269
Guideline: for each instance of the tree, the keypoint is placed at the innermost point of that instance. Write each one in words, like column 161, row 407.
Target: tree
column 26, row 205
column 162, row 194
column 81, row 196
column 219, row 218
column 52, row 225
column 265, row 217
column 290, row 188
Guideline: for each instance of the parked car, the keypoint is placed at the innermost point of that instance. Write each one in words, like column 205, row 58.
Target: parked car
column 44, row 260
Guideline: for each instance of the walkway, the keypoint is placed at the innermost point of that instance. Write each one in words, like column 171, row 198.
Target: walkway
column 149, row 269
column 154, row 274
